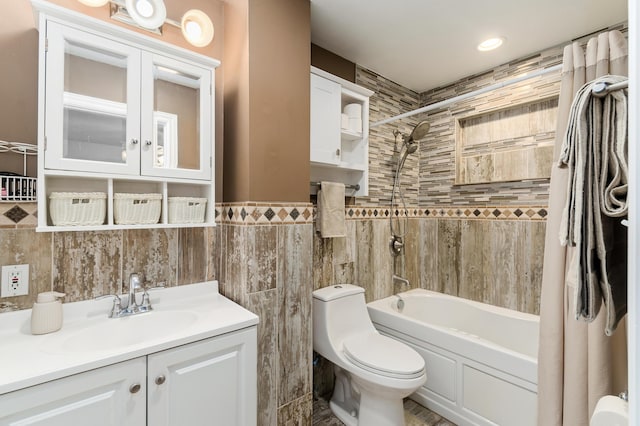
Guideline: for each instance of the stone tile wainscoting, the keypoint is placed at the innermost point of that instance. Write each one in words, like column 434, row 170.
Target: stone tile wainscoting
column 262, row 259
column 488, row 254
column 266, row 267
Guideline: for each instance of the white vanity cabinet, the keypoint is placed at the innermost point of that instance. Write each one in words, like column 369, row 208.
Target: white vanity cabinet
column 100, row 397
column 339, row 150
column 204, row 383
column 212, row 381
column 121, row 112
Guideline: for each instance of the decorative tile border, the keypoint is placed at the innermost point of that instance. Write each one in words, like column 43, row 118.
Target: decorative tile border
column 264, row 214
column 18, row 215
column 466, row 212
column 25, row 215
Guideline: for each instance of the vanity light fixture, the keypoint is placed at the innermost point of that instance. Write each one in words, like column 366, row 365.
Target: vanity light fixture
column 151, row 15
column 197, row 28
column 491, row 44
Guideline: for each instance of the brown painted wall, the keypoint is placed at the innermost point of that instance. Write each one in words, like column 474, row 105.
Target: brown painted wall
column 19, row 82
column 332, row 63
column 267, row 134
column 236, row 101
column 279, row 55
column 19, row 70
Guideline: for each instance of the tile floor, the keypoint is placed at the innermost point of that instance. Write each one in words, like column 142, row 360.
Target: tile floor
column 414, row 414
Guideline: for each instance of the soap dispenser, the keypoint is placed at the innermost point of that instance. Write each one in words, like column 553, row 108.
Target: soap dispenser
column 46, row 315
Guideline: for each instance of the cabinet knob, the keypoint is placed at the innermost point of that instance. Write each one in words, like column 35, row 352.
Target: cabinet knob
column 134, row 388
column 338, row 151
column 148, row 142
column 160, row 379
column 134, row 141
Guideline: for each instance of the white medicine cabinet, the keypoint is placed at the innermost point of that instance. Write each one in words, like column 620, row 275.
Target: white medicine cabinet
column 120, row 112
column 339, row 139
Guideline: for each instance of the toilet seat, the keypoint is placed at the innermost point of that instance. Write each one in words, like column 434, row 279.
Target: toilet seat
column 384, row 356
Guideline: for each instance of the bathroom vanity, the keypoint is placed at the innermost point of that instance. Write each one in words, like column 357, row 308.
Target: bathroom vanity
column 188, row 361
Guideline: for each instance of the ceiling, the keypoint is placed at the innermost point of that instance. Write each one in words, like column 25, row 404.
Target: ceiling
column 423, row 44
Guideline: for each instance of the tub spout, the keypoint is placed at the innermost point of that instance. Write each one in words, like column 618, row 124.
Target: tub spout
column 399, row 279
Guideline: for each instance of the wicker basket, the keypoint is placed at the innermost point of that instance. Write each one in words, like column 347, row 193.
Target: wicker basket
column 77, row 208
column 135, row 209
column 186, row 209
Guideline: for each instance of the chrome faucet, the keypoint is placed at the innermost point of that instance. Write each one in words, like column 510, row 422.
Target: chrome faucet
column 132, row 307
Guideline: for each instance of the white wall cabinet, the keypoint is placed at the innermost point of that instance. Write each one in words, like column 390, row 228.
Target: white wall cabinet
column 208, row 382
column 121, row 112
column 339, row 151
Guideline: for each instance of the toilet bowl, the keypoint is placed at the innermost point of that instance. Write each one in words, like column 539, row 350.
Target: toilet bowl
column 373, row 372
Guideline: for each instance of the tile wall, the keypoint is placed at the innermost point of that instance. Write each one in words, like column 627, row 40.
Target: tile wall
column 259, row 253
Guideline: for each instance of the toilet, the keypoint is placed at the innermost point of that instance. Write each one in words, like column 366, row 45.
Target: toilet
column 373, row 372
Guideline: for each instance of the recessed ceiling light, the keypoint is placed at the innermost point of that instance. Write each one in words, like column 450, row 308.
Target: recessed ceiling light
column 491, row 43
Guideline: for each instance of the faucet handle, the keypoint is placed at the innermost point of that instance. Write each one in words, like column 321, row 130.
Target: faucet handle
column 117, row 304
column 146, row 303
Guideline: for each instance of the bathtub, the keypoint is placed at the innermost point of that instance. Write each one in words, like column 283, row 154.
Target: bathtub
column 481, row 360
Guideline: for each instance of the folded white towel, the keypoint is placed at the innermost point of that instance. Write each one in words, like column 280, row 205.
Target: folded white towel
column 330, row 221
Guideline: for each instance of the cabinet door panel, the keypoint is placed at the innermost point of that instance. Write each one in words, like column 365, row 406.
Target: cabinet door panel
column 99, row 397
column 176, row 118
column 206, row 383
column 92, row 103
column 325, row 120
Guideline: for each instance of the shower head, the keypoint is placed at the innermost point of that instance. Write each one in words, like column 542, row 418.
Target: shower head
column 419, row 132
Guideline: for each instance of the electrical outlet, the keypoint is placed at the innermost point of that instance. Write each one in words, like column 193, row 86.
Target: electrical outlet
column 15, row 280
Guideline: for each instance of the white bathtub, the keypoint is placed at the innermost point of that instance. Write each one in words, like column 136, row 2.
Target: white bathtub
column 481, row 360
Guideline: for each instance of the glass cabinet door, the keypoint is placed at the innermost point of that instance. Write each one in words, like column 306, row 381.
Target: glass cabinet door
column 176, row 118
column 92, row 103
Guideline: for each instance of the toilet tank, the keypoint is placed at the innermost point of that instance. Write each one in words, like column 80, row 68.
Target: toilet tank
column 339, row 311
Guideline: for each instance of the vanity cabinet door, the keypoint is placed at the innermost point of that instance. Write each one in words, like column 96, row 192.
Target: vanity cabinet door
column 92, row 103
column 325, row 121
column 103, row 397
column 212, row 382
column 176, row 118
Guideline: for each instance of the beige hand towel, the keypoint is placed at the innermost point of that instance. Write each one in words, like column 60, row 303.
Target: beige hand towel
column 330, row 221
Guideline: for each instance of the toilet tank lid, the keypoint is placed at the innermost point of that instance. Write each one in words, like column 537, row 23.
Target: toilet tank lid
column 336, row 292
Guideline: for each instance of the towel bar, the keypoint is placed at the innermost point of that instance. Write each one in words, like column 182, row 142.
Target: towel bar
column 346, row 185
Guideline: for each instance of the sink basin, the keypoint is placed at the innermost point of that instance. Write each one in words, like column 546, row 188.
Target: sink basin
column 120, row 332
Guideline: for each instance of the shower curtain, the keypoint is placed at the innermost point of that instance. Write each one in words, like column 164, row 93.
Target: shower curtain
column 577, row 363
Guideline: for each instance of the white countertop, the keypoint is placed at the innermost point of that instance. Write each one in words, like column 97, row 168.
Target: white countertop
column 89, row 339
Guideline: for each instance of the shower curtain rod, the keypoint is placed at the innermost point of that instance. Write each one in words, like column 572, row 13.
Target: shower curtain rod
column 459, row 98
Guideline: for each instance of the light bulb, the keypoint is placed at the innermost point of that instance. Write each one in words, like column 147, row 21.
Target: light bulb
column 144, row 8
column 193, row 29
